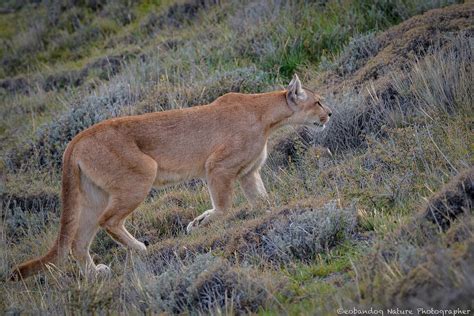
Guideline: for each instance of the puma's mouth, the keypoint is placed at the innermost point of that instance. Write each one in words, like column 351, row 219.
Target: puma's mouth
column 319, row 126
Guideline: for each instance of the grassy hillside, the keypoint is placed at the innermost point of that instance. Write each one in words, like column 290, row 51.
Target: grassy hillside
column 376, row 211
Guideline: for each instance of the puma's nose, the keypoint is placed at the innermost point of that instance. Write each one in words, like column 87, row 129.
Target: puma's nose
column 328, row 110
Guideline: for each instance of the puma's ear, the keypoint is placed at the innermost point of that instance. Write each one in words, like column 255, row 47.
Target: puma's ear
column 291, row 85
column 295, row 93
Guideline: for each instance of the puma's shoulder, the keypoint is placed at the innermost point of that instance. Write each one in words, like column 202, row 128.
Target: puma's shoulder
column 230, row 98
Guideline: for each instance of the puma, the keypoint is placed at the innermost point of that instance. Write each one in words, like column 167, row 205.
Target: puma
column 109, row 168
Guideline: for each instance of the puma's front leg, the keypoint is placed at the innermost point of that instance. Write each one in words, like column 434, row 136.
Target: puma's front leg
column 253, row 187
column 220, row 188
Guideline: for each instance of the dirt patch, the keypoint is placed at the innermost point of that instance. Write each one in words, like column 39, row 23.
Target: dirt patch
column 433, row 284
column 180, row 13
column 402, row 44
column 35, row 203
column 102, row 68
column 454, row 199
column 12, row 85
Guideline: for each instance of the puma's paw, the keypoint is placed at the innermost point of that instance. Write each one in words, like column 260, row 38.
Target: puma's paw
column 201, row 219
column 141, row 247
column 191, row 226
column 103, row 270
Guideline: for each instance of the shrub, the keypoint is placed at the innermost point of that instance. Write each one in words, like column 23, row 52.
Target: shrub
column 52, row 138
column 25, row 44
column 14, row 85
column 355, row 54
column 207, row 283
column 354, row 118
column 181, row 13
column 306, row 233
column 120, row 11
column 279, row 238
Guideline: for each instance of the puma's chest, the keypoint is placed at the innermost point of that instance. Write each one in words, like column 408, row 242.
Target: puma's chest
column 257, row 162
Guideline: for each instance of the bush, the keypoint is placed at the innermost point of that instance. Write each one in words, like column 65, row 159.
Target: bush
column 23, row 45
column 181, row 13
column 205, row 284
column 355, row 54
column 279, row 238
column 52, row 138
column 307, row 233
column 120, row 11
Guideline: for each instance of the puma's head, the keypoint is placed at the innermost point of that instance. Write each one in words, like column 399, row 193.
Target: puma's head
column 307, row 106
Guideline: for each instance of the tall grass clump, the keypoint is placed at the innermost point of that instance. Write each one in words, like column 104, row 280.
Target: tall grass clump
column 437, row 84
column 440, row 82
column 425, row 262
column 354, row 55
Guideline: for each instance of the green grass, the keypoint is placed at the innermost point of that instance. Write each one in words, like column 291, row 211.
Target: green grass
column 314, row 287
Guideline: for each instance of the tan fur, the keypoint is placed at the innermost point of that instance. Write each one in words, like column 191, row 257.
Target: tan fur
column 109, row 168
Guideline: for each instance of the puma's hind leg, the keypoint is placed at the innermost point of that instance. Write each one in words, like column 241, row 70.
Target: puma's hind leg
column 81, row 247
column 124, row 199
column 93, row 203
column 113, row 221
column 125, row 182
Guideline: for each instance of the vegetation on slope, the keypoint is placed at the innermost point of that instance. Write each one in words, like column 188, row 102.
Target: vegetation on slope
column 347, row 227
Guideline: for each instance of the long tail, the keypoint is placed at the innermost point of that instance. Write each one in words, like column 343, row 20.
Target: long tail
column 68, row 225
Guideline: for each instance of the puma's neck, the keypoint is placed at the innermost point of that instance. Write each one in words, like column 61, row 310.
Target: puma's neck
column 275, row 111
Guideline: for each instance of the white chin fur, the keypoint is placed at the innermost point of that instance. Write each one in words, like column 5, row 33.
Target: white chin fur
column 318, row 128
